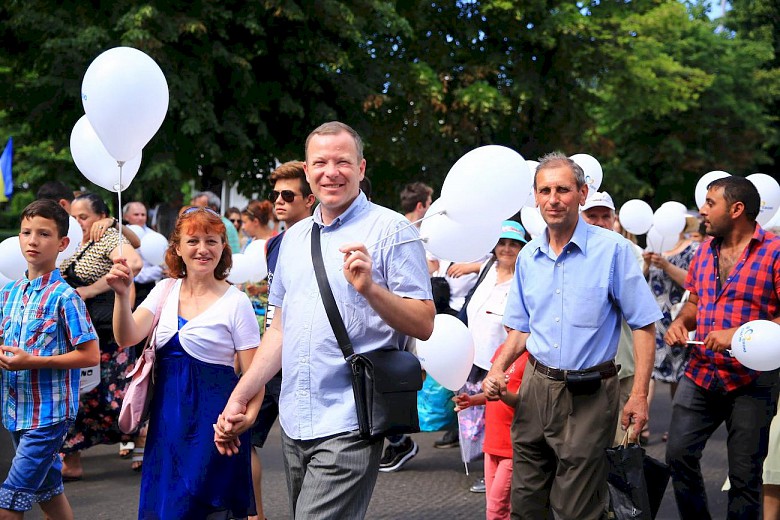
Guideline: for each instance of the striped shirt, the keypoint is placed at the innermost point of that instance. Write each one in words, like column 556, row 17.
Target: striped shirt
column 751, row 292
column 45, row 317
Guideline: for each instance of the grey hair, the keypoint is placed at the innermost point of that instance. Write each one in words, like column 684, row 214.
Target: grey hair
column 556, row 159
column 214, row 201
column 126, row 207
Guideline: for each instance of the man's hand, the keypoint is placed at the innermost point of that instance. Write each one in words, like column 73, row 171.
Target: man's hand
column 636, row 413
column 676, row 334
column 494, row 385
column 719, row 340
column 20, row 360
column 357, row 266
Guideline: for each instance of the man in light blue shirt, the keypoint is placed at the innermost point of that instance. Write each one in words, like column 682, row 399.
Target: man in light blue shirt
column 383, row 296
column 573, row 285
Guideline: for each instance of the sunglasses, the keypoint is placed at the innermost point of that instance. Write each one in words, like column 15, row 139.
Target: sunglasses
column 235, row 220
column 193, row 209
column 287, row 195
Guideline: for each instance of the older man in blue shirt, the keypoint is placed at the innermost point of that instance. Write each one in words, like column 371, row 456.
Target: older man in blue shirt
column 383, row 296
column 573, row 285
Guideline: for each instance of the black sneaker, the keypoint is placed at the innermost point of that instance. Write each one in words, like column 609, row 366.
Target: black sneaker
column 396, row 456
column 450, row 439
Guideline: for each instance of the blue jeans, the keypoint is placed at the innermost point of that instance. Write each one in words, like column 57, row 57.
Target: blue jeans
column 696, row 414
column 36, row 471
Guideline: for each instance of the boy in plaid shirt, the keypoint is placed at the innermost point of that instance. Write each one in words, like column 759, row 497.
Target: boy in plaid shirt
column 47, row 336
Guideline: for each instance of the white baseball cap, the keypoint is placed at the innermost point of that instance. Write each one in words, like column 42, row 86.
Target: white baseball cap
column 599, row 199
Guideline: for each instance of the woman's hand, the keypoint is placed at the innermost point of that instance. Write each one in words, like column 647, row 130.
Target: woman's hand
column 99, row 228
column 119, row 278
column 656, row 260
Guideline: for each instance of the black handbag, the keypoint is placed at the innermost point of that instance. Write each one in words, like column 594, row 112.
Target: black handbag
column 385, row 382
column 636, row 482
column 462, row 316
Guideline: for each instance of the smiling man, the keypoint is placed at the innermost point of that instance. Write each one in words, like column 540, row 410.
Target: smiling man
column 572, row 287
column 383, row 296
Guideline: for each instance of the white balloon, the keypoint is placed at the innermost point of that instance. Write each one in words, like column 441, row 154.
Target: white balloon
column 769, row 191
column 4, row 280
column 125, row 96
column 255, row 253
column 153, row 248
column 700, row 194
column 673, row 205
column 593, row 172
column 96, row 163
column 12, row 262
column 756, row 344
column 449, row 353
column 491, row 182
column 668, row 222
column 636, row 216
column 655, row 241
column 75, row 234
column 455, row 240
column 138, row 230
column 533, row 222
column 241, row 270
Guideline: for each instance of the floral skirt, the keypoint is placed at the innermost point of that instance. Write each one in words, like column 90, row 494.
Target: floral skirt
column 97, row 418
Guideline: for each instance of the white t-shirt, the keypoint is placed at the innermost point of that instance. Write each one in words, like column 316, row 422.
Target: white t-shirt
column 486, row 314
column 213, row 336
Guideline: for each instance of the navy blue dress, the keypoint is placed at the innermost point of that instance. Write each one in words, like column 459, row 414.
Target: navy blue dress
column 184, row 476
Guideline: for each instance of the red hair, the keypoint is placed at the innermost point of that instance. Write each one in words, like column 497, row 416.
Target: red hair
column 194, row 219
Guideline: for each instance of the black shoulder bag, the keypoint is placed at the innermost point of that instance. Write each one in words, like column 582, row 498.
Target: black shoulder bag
column 385, row 381
column 462, row 316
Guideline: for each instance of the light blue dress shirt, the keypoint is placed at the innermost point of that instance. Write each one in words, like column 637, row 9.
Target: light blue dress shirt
column 572, row 304
column 316, row 398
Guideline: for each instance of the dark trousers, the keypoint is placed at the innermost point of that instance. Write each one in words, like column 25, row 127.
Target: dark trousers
column 696, row 414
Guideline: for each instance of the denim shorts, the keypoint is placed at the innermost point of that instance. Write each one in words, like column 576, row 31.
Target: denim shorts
column 36, row 471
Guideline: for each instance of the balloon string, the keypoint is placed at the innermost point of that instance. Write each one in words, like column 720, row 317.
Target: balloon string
column 119, row 209
column 418, row 239
column 410, row 224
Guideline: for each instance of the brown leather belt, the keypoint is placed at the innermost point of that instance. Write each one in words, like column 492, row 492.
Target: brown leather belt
column 607, row 370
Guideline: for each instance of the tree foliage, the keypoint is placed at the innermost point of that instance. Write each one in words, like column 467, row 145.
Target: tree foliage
column 654, row 89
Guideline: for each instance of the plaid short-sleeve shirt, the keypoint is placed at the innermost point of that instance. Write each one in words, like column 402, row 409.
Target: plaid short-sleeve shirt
column 44, row 317
column 751, row 292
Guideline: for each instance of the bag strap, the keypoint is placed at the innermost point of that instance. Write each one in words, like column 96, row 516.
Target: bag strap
column 480, row 278
column 334, row 317
column 169, row 283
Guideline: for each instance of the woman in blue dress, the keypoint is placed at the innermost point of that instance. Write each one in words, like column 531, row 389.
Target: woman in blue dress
column 205, row 324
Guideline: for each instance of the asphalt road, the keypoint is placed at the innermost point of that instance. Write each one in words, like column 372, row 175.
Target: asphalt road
column 431, row 486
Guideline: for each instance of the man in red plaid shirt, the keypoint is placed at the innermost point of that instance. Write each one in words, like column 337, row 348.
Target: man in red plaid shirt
column 734, row 278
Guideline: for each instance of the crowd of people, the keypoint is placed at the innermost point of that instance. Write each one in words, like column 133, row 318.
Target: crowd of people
column 572, row 330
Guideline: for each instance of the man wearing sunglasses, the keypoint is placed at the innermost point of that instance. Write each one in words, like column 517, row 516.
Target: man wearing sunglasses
column 383, row 296
column 293, row 201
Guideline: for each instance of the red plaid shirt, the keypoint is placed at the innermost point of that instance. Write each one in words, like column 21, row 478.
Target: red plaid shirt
column 751, row 292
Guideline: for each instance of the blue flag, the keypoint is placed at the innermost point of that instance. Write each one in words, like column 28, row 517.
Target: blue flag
column 6, row 177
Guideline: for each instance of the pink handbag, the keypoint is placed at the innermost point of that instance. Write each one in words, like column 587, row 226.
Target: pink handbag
column 138, row 395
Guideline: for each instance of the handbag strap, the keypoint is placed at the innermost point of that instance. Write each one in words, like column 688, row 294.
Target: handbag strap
column 169, row 283
column 334, row 317
column 480, row 278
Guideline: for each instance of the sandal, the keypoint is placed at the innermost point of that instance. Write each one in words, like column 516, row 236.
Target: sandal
column 138, row 459
column 126, row 449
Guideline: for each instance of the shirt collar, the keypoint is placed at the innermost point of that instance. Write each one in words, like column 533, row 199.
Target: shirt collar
column 578, row 239
column 358, row 207
column 759, row 235
column 36, row 284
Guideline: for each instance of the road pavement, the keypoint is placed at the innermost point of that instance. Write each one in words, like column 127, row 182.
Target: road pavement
column 431, row 486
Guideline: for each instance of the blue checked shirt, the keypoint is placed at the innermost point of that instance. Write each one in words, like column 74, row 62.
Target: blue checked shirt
column 45, row 317
column 573, row 304
column 316, row 398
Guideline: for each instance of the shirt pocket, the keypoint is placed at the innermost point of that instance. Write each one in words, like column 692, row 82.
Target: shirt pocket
column 584, row 306
column 40, row 334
